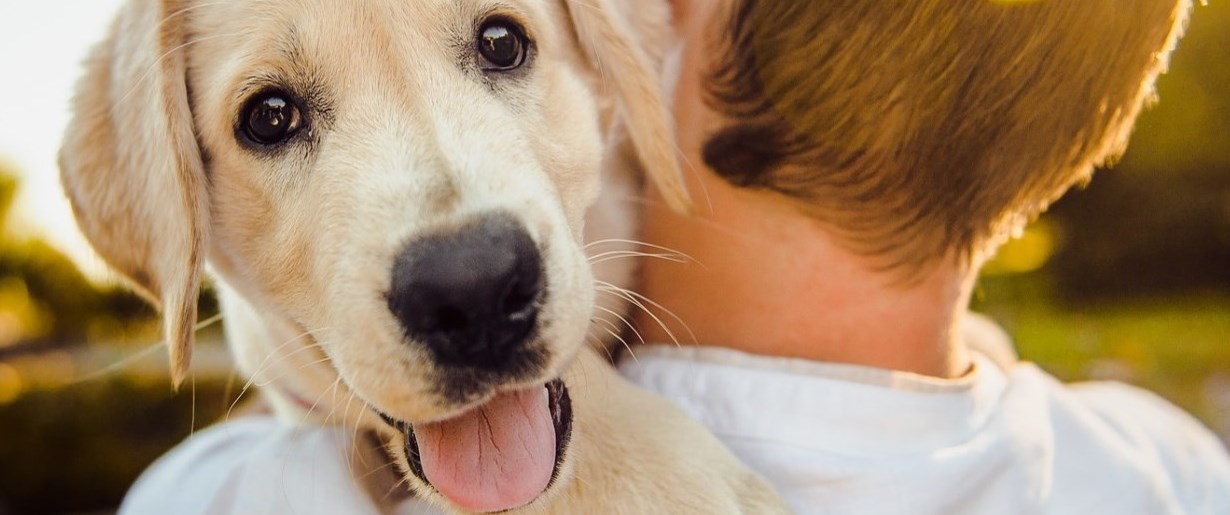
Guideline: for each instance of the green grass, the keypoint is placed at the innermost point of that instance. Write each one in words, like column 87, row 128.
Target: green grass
column 1177, row 347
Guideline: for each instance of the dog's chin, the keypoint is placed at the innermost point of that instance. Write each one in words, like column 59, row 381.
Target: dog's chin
column 500, row 454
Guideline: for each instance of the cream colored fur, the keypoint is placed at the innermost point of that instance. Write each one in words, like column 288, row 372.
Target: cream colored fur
column 301, row 242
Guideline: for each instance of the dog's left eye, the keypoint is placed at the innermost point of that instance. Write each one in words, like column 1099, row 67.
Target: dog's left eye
column 502, row 45
column 271, row 118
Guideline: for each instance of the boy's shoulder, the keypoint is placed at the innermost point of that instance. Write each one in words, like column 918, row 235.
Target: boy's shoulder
column 846, row 439
column 1111, row 435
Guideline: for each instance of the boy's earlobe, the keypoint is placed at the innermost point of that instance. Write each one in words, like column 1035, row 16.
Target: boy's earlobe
column 744, row 154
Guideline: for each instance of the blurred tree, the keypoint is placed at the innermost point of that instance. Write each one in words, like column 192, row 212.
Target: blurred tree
column 1188, row 130
column 1135, row 234
column 74, row 446
column 1159, row 221
column 44, row 300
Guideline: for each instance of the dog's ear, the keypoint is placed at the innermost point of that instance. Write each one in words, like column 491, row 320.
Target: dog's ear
column 131, row 166
column 608, row 41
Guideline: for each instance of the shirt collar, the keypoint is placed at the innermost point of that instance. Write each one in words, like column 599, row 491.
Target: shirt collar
column 840, row 408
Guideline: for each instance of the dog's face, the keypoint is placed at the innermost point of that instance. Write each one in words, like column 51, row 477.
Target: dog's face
column 402, row 182
column 406, row 181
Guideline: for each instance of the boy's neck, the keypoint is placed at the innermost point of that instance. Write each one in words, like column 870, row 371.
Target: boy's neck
column 765, row 279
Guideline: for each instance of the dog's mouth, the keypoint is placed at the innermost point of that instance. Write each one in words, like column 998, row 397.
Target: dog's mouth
column 497, row 456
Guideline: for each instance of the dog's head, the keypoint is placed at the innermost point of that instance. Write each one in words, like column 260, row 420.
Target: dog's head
column 404, row 182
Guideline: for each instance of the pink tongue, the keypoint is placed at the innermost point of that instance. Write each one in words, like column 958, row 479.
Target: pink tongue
column 495, row 457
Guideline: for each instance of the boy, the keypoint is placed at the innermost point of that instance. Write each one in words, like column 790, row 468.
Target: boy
column 856, row 164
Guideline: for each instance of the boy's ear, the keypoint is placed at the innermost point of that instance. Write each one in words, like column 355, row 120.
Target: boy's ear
column 132, row 170
column 609, row 42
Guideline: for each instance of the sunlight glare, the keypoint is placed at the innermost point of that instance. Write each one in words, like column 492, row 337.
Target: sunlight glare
column 42, row 50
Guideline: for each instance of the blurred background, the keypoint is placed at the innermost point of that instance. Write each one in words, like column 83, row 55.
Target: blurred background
column 1128, row 279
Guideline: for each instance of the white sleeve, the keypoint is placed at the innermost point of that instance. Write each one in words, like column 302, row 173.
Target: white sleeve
column 257, row 465
column 1195, row 461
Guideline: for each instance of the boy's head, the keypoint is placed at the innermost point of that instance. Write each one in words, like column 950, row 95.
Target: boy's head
column 929, row 129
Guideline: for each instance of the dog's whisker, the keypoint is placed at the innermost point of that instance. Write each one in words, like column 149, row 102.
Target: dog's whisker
column 346, row 411
column 708, row 223
column 358, row 421
column 349, row 452
column 252, row 380
column 621, row 254
column 260, row 368
column 300, row 366
column 597, row 343
column 642, row 297
column 617, row 337
column 332, row 418
column 332, row 391
column 158, row 63
column 636, row 300
column 639, row 243
column 192, row 420
column 662, row 250
column 139, row 355
column 628, row 251
column 692, row 339
column 690, row 167
column 354, row 436
column 606, row 322
column 171, row 16
column 621, row 241
column 121, row 364
column 285, row 491
column 278, row 357
column 357, row 433
column 627, row 323
column 256, row 378
column 276, row 379
column 631, row 255
column 392, row 490
column 316, row 402
column 593, row 43
column 341, row 389
column 229, row 388
column 375, row 470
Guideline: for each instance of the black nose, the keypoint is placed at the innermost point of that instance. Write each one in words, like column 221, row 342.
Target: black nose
column 470, row 295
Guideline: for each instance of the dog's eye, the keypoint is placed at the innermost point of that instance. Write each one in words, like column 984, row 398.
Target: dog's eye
column 501, row 45
column 271, row 118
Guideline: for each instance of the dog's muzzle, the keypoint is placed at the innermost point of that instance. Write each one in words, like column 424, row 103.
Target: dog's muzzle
column 500, row 455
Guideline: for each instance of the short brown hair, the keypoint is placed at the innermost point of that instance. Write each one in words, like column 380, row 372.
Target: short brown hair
column 925, row 129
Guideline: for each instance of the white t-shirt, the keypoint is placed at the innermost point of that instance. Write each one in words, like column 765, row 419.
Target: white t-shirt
column 258, row 465
column 834, row 439
column 843, row 439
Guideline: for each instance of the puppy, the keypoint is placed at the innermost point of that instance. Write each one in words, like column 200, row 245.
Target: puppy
column 391, row 197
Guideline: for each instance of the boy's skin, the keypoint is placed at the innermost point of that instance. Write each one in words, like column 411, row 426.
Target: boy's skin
column 764, row 278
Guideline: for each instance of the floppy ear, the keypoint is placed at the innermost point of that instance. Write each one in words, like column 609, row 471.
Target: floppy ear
column 132, row 170
column 609, row 42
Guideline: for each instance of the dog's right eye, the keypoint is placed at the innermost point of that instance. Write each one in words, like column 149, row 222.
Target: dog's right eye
column 502, row 45
column 271, row 118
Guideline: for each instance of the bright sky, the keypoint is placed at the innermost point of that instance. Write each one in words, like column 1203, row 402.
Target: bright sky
column 42, row 44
